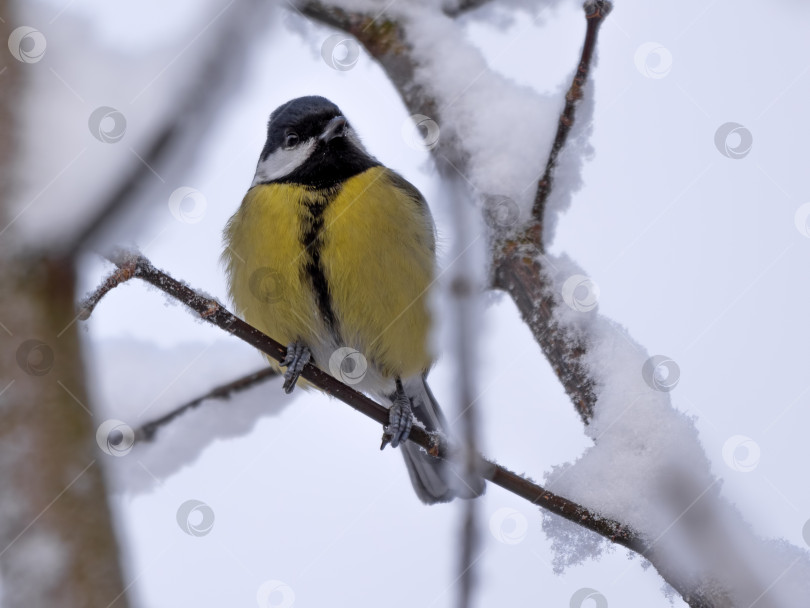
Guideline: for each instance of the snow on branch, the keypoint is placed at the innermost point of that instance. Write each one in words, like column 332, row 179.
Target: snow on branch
column 147, row 431
column 132, row 265
column 647, row 467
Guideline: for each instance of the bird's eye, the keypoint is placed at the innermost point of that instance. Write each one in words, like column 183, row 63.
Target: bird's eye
column 290, row 140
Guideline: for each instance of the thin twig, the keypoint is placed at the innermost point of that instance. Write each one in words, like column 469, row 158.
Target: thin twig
column 147, row 431
column 595, row 13
column 135, row 265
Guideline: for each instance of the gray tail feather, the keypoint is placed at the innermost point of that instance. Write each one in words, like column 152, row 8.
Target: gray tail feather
column 433, row 479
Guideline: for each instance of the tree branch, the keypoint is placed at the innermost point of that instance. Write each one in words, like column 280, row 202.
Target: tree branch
column 177, row 137
column 134, row 265
column 519, row 265
column 147, row 431
column 595, row 13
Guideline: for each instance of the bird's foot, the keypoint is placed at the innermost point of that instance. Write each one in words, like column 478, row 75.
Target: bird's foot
column 298, row 356
column 400, row 419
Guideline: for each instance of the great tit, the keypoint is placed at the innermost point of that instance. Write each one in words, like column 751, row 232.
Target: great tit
column 333, row 255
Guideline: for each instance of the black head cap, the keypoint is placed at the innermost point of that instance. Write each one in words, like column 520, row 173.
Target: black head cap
column 307, row 116
column 332, row 160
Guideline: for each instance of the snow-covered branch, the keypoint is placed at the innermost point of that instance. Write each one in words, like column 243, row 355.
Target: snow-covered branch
column 147, row 431
column 647, row 467
column 133, row 265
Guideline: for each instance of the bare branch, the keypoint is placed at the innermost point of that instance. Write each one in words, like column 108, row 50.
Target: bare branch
column 134, row 265
column 223, row 391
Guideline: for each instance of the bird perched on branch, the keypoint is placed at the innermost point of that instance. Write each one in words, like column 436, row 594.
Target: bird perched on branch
column 333, row 254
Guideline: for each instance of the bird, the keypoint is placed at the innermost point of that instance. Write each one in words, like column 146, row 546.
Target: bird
column 333, row 255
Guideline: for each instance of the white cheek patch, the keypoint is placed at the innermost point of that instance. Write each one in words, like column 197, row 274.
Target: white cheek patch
column 283, row 162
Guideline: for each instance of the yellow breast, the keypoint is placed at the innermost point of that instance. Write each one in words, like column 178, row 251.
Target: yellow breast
column 367, row 240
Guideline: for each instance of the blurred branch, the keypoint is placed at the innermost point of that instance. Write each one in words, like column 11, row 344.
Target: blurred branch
column 177, row 138
column 147, row 431
column 58, row 545
column 134, row 265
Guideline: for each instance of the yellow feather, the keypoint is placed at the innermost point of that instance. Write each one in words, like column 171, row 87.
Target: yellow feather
column 377, row 255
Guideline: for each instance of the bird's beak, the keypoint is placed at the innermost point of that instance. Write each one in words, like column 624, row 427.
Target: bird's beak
column 334, row 128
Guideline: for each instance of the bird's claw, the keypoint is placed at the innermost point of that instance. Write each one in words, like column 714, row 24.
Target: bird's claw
column 400, row 421
column 298, row 355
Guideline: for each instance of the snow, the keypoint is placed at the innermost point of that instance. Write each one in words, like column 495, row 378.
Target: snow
column 507, row 129
column 648, row 469
column 136, row 382
column 100, row 121
column 641, row 440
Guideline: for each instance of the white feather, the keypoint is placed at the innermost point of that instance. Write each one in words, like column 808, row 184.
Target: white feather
column 282, row 162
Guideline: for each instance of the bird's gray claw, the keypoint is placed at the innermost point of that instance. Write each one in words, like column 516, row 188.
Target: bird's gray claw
column 400, row 419
column 298, row 356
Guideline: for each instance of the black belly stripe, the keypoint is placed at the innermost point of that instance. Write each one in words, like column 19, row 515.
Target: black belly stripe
column 312, row 238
